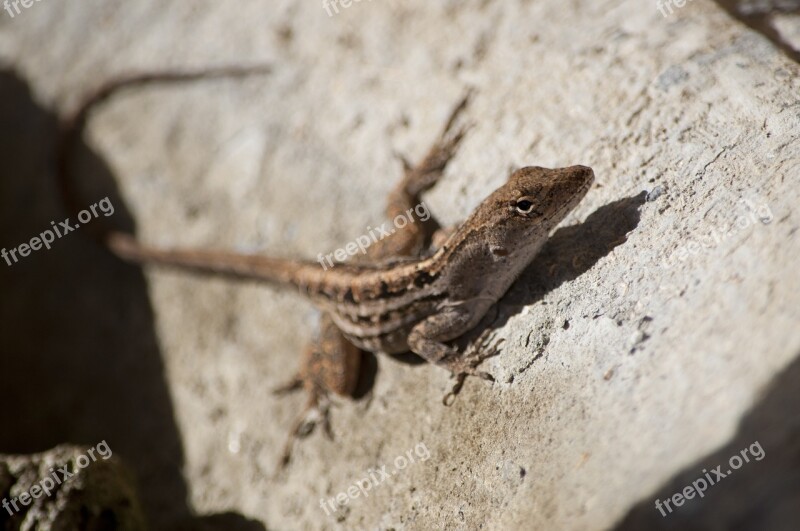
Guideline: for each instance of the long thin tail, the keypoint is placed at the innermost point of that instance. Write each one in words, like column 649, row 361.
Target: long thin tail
column 228, row 264
column 72, row 127
column 126, row 246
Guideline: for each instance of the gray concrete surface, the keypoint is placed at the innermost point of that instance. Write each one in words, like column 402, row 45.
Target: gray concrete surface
column 651, row 340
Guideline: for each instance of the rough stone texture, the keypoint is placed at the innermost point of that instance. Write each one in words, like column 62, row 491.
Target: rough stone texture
column 651, row 340
column 68, row 487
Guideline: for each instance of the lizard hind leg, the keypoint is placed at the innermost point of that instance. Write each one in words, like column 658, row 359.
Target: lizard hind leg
column 405, row 199
column 330, row 366
column 420, row 177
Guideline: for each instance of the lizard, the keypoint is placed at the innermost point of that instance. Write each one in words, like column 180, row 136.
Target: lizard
column 392, row 303
column 330, row 362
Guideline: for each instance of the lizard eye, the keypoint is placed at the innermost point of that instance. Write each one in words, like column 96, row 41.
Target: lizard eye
column 524, row 205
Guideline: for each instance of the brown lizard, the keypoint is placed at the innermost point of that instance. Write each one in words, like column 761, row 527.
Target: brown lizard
column 418, row 304
column 331, row 362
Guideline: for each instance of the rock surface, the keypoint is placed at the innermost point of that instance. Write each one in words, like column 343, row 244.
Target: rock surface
column 68, row 487
column 652, row 339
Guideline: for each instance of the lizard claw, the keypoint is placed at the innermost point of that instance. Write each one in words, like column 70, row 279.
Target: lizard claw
column 485, row 376
column 316, row 412
column 466, row 366
column 289, row 387
column 461, row 375
column 450, row 398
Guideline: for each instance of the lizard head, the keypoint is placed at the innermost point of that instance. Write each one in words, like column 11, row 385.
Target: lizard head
column 502, row 236
column 525, row 209
column 543, row 195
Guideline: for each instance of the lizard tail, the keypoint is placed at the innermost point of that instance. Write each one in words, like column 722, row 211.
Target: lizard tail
column 304, row 274
column 222, row 263
column 71, row 131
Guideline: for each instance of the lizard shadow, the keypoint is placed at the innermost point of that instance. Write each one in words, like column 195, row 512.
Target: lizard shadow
column 573, row 250
column 761, row 494
column 80, row 357
column 569, row 252
column 760, row 20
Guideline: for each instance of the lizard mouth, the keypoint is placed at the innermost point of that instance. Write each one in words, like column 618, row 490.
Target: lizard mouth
column 579, row 179
column 583, row 174
column 575, row 183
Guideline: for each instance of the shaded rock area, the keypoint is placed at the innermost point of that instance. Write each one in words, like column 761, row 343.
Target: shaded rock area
column 656, row 336
column 765, row 495
column 66, row 488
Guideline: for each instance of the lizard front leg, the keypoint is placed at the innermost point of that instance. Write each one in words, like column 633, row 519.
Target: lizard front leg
column 428, row 339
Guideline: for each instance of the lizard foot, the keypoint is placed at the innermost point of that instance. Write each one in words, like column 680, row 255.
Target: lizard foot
column 466, row 365
column 317, row 412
